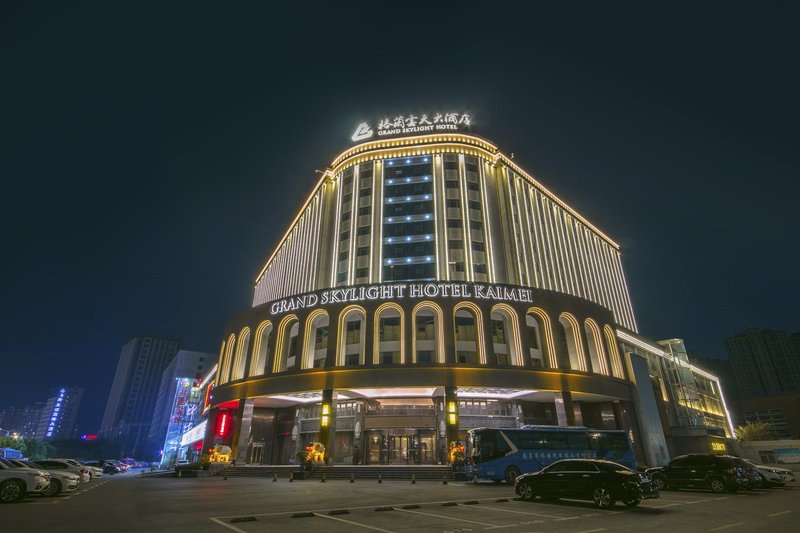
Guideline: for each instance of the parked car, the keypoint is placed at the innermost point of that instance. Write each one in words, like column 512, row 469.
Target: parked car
column 16, row 482
column 93, row 470
column 107, row 467
column 604, row 482
column 774, row 475
column 60, row 480
column 59, row 464
column 754, row 478
column 700, row 470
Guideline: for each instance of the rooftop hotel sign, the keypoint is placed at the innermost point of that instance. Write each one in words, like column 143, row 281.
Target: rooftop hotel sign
column 412, row 125
column 401, row 291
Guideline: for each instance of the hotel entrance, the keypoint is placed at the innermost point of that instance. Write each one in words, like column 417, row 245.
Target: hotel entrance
column 401, row 447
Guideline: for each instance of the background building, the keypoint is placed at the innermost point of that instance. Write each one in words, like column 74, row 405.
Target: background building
column 57, row 418
column 169, row 415
column 24, row 421
column 766, row 367
column 430, row 285
column 131, row 402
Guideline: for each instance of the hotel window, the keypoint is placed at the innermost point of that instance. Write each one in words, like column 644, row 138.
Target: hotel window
column 466, row 337
column 454, row 204
column 451, row 184
column 366, row 210
column 345, row 235
column 454, row 223
column 362, row 272
column 347, row 197
column 362, row 251
column 477, row 226
column 451, row 165
column 364, row 230
column 365, row 192
column 424, row 356
column 342, row 256
column 478, row 246
column 479, row 268
column 455, row 244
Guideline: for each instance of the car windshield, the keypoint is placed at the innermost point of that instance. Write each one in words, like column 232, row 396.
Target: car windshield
column 31, row 464
column 609, row 466
column 6, row 463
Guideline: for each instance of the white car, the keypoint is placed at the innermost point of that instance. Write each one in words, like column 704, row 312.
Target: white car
column 60, row 480
column 15, row 482
column 60, row 464
column 93, row 470
column 774, row 475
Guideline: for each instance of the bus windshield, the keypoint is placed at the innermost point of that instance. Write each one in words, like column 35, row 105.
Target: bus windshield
column 502, row 454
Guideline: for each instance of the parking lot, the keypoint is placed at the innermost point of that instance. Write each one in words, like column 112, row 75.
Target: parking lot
column 252, row 505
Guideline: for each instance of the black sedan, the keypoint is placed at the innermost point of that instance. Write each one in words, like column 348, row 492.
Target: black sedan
column 603, row 482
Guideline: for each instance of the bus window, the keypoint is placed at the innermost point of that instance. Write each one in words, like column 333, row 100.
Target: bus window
column 577, row 441
column 555, row 441
column 599, row 441
column 619, row 441
column 532, row 440
column 501, row 444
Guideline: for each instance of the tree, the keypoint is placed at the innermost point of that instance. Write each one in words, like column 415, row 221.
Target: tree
column 755, row 431
column 18, row 443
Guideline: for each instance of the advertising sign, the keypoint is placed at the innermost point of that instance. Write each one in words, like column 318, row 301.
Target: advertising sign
column 411, row 124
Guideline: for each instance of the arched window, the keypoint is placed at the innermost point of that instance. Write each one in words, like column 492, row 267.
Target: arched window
column 241, row 354
column 388, row 347
column 596, row 353
column 428, row 342
column 540, row 338
column 261, row 348
column 535, row 344
column 613, row 350
column 316, row 345
column 225, row 375
column 287, row 346
column 505, row 336
column 572, row 341
column 468, row 334
column 352, row 332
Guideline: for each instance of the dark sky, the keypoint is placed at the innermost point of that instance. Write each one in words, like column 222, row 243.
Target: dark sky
column 152, row 154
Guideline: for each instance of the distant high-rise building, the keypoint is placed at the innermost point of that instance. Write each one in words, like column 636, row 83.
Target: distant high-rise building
column 129, row 411
column 57, row 420
column 764, row 362
column 185, row 369
column 23, row 421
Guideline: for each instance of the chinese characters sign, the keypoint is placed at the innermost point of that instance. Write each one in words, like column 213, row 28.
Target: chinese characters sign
column 413, row 124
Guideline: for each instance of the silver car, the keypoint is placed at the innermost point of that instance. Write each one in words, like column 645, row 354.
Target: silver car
column 60, row 480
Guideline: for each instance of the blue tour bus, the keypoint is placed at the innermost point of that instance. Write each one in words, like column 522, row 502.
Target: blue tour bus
column 503, row 454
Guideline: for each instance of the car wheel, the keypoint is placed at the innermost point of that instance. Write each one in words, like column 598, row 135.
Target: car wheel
column 717, row 485
column 511, row 474
column 53, row 489
column 660, row 482
column 526, row 491
column 11, row 491
column 632, row 502
column 602, row 497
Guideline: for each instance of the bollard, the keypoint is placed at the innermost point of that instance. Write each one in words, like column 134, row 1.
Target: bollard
column 380, row 478
column 291, row 477
column 444, row 479
column 475, row 479
column 413, row 479
column 179, row 473
column 352, row 478
column 323, row 478
column 274, row 477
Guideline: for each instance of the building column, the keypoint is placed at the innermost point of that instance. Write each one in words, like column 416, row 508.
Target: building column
column 565, row 409
column 450, row 416
column 327, row 421
column 242, row 435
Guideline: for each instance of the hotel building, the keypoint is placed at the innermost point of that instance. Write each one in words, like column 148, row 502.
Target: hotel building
column 426, row 286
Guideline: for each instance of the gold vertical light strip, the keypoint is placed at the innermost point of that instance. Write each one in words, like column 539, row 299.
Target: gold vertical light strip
column 337, row 183
column 376, row 212
column 514, row 223
column 548, row 235
column 573, row 255
column 547, row 212
column 354, row 199
column 584, row 236
column 562, row 256
column 442, row 232
column 619, row 307
column 575, row 228
column 466, row 231
column 437, row 220
column 544, row 264
column 629, row 306
column 488, row 250
column 521, row 229
column 604, row 281
column 573, row 272
column 523, row 200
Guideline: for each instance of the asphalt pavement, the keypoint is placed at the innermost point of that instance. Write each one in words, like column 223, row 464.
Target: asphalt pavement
column 253, row 505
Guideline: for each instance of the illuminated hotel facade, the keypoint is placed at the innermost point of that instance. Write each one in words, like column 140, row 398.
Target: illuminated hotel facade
column 429, row 285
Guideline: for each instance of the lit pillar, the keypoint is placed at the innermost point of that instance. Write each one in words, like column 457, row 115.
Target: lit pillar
column 565, row 410
column 241, row 441
column 327, row 421
column 451, row 415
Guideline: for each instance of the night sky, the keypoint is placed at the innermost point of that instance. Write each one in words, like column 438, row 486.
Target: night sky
column 152, row 154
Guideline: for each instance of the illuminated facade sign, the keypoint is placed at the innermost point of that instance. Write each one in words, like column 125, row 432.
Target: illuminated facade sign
column 398, row 291
column 413, row 125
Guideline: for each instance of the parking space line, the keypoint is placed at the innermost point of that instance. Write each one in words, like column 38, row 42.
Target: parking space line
column 728, row 526
column 223, row 524
column 446, row 517
column 510, row 511
column 699, row 501
column 352, row 523
column 778, row 514
column 592, row 530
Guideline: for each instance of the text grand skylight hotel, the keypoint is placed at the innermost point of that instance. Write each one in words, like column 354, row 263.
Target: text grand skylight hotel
column 429, row 285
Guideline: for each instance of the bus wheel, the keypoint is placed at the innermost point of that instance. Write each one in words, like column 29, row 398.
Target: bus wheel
column 511, row 474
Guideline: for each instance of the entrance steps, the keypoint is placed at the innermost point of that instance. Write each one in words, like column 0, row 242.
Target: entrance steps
column 359, row 472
